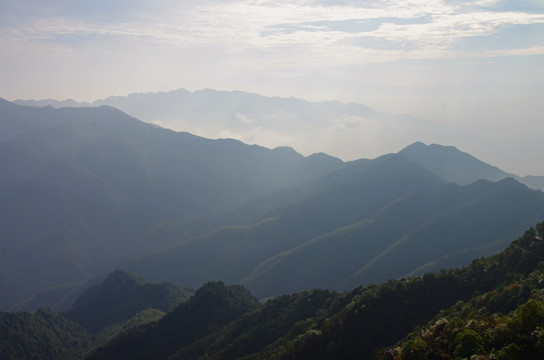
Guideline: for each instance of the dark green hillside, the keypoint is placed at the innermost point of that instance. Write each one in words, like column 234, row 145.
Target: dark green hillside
column 121, row 296
column 380, row 314
column 503, row 323
column 254, row 335
column 41, row 335
column 494, row 308
column 213, row 306
column 140, row 319
column 492, row 297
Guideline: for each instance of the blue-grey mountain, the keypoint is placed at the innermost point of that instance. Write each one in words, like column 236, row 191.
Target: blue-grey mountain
column 80, row 185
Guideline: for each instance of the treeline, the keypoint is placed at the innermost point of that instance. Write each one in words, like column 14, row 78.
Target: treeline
column 379, row 316
column 492, row 309
column 364, row 323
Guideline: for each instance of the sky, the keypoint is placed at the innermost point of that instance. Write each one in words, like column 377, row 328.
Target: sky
column 474, row 67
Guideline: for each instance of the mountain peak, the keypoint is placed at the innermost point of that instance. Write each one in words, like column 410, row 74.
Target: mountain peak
column 451, row 164
column 216, row 292
column 120, row 297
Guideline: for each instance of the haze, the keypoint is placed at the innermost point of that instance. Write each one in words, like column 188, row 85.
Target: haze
column 470, row 72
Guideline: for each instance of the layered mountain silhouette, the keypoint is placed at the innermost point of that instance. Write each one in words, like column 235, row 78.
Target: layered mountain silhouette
column 90, row 188
column 371, row 221
column 459, row 167
column 230, row 110
column 213, row 306
column 310, row 127
column 249, row 116
column 80, row 185
column 120, row 297
column 499, row 297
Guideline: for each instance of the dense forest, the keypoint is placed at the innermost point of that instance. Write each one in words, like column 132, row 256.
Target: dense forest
column 491, row 309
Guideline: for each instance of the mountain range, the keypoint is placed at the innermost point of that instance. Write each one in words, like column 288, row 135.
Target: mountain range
column 91, row 189
column 82, row 184
column 255, row 118
column 353, row 226
column 347, row 130
column 234, row 110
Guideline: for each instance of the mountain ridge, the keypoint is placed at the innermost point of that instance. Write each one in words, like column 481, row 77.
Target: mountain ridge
column 84, row 180
column 178, row 109
column 379, row 321
column 323, row 238
column 121, row 296
column 460, row 167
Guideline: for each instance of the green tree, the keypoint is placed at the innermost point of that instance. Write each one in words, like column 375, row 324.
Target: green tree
column 467, row 343
column 529, row 316
column 414, row 349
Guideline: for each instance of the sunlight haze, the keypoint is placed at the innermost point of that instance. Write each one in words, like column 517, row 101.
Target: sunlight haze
column 468, row 73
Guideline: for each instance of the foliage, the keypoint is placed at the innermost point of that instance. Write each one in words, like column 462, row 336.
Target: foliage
column 414, row 349
column 362, row 323
column 467, row 343
column 142, row 318
column 41, row 335
column 505, row 322
column 492, row 309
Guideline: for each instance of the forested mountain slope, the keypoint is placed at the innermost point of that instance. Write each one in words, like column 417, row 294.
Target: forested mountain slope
column 213, row 306
column 41, row 335
column 366, row 322
column 493, row 308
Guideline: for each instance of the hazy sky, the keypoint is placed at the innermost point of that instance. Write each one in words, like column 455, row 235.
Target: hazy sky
column 475, row 67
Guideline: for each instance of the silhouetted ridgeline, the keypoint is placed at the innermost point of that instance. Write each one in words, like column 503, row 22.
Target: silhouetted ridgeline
column 83, row 184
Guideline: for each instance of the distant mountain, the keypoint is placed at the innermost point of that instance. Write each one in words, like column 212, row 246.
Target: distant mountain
column 121, row 296
column 90, row 188
column 53, row 103
column 83, row 184
column 459, row 167
column 230, row 110
column 246, row 115
column 57, row 298
column 371, row 221
column 309, row 127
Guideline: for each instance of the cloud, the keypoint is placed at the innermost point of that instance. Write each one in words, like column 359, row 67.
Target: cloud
column 402, row 56
column 244, row 119
column 322, row 31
